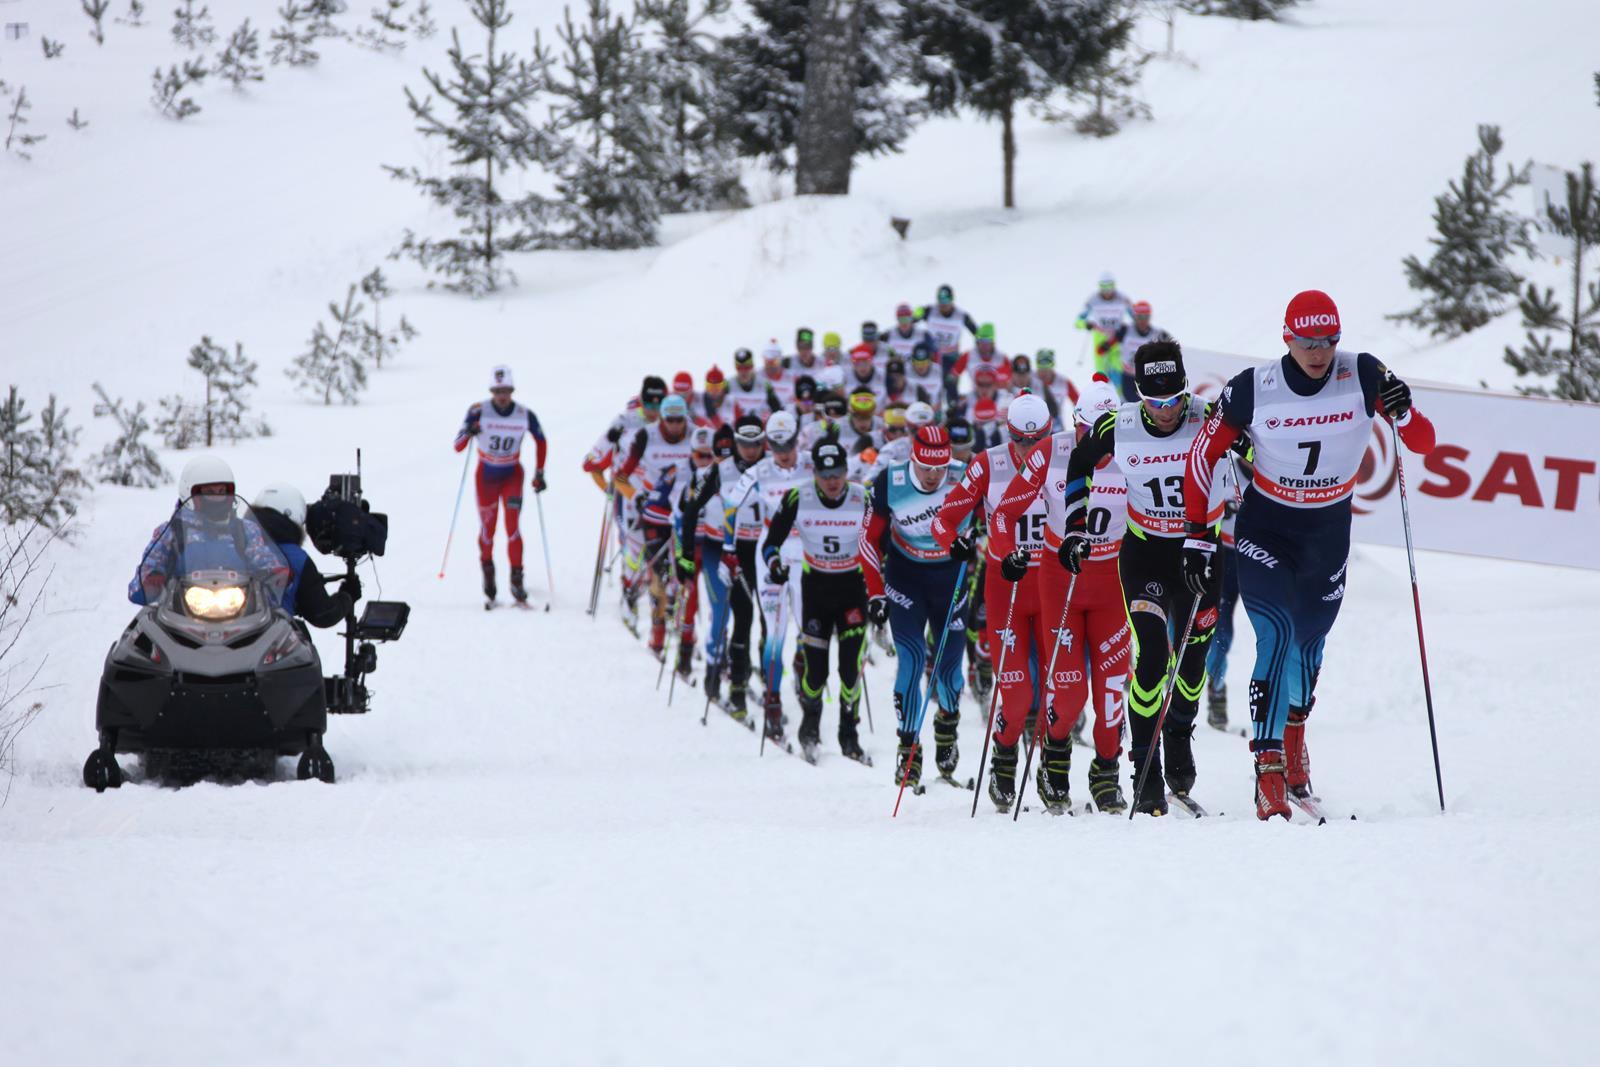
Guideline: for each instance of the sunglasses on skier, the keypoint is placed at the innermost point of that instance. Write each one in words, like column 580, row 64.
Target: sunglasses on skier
column 1316, row 342
column 1162, row 403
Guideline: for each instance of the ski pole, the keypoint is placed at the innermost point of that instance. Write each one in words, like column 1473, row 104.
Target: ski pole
column 1161, row 716
column 866, row 692
column 544, row 540
column 1416, row 606
column 938, row 656
column 994, row 698
column 600, row 556
column 1050, row 697
column 460, row 490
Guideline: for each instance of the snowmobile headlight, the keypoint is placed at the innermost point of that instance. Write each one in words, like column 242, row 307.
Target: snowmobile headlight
column 214, row 603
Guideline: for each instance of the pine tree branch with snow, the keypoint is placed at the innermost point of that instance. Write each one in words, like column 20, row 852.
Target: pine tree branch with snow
column 1467, row 281
column 239, row 61
column 166, row 90
column 127, row 460
column 191, row 28
column 1563, row 343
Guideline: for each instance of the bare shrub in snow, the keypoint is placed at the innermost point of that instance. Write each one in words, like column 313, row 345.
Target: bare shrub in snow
column 23, row 578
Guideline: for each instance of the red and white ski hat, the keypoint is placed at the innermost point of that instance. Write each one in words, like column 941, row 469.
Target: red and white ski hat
column 862, row 354
column 683, row 383
column 902, row 311
column 773, row 353
column 1099, row 397
column 1311, row 313
column 931, row 447
column 984, row 409
column 1142, row 308
column 1028, row 417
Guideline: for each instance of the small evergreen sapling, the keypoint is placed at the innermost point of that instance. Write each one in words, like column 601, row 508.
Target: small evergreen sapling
column 127, row 460
column 293, row 36
column 52, row 49
column 488, row 133
column 378, row 344
column 240, row 61
column 38, row 482
column 75, row 121
column 386, row 31
column 96, row 10
column 334, row 365
column 135, row 15
column 17, row 141
column 224, row 414
column 1254, row 10
column 322, row 13
column 166, row 90
column 191, row 28
column 1573, row 359
column 421, row 21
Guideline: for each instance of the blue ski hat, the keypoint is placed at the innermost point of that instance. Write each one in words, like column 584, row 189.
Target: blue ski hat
column 674, row 407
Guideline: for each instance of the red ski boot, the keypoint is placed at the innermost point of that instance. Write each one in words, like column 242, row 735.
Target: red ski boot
column 1296, row 753
column 1270, row 785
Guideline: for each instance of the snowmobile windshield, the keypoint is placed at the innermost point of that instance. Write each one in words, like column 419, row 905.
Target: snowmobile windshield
column 213, row 555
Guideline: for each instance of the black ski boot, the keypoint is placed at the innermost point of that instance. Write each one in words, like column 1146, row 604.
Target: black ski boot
column 1103, row 786
column 945, row 752
column 518, row 593
column 772, row 704
column 1153, row 799
column 1053, row 777
column 1217, row 705
column 714, row 682
column 849, row 741
column 489, row 588
column 980, row 675
column 810, row 726
column 1003, row 777
column 685, row 660
column 1178, row 741
column 908, row 762
column 736, row 700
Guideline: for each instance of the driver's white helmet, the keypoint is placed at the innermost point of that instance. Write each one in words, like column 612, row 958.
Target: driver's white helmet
column 284, row 499
column 204, row 470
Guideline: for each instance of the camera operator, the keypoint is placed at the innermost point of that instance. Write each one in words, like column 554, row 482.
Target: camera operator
column 281, row 510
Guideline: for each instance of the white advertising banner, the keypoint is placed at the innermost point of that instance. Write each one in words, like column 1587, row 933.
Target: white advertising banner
column 1513, row 477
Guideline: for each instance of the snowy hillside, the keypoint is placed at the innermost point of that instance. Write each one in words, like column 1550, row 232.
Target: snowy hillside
column 530, row 858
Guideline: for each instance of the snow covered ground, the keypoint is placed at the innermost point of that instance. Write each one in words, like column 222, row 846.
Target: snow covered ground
column 530, row 858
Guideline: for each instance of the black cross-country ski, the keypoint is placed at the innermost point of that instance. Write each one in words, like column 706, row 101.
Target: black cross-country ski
column 1235, row 731
column 970, row 783
column 1186, row 804
column 864, row 758
column 746, row 720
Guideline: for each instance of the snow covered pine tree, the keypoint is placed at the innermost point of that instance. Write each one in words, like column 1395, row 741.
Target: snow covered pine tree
column 700, row 170
column 1466, row 282
column 127, row 460
column 224, row 414
column 38, row 482
column 1576, row 363
column 490, row 94
column 335, row 364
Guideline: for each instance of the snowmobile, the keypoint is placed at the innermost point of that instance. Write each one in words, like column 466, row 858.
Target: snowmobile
column 212, row 676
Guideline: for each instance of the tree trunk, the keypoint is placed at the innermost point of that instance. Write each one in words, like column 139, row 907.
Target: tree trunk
column 825, row 139
column 1008, row 148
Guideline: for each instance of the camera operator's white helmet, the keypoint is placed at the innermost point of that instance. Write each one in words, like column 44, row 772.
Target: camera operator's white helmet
column 285, row 499
column 501, row 378
column 204, row 470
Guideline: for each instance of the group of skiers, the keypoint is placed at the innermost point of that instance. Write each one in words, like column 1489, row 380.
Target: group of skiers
column 947, row 505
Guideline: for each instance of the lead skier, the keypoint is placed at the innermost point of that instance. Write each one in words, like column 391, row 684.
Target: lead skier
column 500, row 424
column 1309, row 416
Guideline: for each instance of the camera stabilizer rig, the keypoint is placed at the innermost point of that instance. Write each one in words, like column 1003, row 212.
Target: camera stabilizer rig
column 343, row 524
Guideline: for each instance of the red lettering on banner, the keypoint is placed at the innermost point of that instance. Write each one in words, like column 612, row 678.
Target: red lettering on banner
column 1438, row 462
column 1511, row 472
column 1569, row 472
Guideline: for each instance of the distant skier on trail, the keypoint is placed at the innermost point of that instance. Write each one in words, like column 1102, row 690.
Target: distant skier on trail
column 1309, row 416
column 946, row 323
column 1104, row 315
column 499, row 425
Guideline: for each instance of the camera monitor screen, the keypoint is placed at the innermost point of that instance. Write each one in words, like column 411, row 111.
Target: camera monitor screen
column 384, row 619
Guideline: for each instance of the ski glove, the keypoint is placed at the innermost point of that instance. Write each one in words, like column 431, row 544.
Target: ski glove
column 878, row 610
column 473, row 429
column 962, row 549
column 1015, row 566
column 351, row 588
column 1396, row 397
column 685, row 568
column 538, row 480
column 777, row 571
column 730, row 568
column 1074, row 550
column 1200, row 562
column 614, row 434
